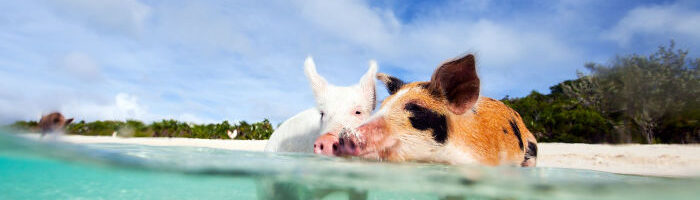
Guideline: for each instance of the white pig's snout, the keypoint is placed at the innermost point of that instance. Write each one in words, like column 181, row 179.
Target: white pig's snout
column 326, row 144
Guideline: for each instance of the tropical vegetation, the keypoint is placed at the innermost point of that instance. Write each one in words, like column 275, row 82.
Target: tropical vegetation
column 633, row 99
column 165, row 128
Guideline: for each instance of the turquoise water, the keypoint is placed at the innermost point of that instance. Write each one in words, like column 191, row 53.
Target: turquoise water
column 46, row 170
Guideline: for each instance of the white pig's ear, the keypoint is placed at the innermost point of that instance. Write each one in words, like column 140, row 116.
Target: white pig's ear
column 367, row 82
column 318, row 83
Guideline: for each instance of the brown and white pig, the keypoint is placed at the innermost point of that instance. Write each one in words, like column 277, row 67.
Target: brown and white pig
column 444, row 120
column 53, row 122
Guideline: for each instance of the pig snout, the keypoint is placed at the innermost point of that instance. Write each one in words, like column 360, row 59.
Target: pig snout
column 326, row 144
column 348, row 146
column 368, row 140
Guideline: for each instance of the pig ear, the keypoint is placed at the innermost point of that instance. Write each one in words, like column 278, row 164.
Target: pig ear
column 68, row 121
column 318, row 83
column 392, row 84
column 456, row 80
column 367, row 81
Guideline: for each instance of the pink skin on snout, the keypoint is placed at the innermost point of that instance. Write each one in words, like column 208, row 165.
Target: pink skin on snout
column 368, row 141
column 326, row 144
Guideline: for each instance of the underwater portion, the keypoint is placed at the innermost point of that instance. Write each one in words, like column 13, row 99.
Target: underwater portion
column 51, row 170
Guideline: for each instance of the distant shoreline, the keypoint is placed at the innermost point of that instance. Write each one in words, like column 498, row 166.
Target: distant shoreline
column 239, row 145
column 667, row 160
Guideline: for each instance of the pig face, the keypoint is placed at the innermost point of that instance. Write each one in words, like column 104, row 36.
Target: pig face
column 412, row 123
column 342, row 106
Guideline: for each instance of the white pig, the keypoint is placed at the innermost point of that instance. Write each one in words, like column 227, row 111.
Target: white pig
column 336, row 107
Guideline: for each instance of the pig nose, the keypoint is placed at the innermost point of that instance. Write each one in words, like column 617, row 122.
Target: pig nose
column 327, row 144
column 347, row 147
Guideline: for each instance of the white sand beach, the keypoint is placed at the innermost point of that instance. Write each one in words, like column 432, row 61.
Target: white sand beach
column 655, row 160
column 241, row 145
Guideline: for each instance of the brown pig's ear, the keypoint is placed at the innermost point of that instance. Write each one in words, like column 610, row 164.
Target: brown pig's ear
column 456, row 80
column 68, row 121
column 392, row 84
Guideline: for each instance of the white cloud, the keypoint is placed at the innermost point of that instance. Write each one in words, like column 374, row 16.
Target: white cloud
column 124, row 106
column 244, row 62
column 212, row 60
column 352, row 21
column 128, row 106
column 433, row 38
column 498, row 45
column 201, row 27
column 122, row 16
column 81, row 66
column 673, row 20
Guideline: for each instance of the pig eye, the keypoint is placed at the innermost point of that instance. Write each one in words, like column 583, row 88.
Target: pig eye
column 322, row 114
column 358, row 112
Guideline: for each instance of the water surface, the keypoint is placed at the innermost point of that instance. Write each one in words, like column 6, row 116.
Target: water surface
column 50, row 170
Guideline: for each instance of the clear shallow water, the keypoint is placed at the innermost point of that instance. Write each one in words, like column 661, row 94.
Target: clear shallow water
column 45, row 170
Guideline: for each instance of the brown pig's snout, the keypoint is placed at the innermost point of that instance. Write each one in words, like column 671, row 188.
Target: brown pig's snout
column 326, row 144
column 354, row 142
column 348, row 146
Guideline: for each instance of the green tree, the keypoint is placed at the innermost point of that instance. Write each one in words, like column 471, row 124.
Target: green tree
column 165, row 128
column 558, row 118
column 640, row 93
column 24, row 126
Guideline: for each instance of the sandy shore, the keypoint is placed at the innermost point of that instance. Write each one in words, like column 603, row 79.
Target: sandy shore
column 656, row 160
column 242, row 145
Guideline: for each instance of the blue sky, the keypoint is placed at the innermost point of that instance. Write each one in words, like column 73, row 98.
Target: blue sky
column 207, row 61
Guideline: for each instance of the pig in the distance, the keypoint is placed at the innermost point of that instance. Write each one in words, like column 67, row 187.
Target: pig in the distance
column 444, row 120
column 53, row 122
column 336, row 107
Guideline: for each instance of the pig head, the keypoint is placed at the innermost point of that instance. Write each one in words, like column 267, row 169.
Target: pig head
column 53, row 122
column 339, row 106
column 443, row 120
